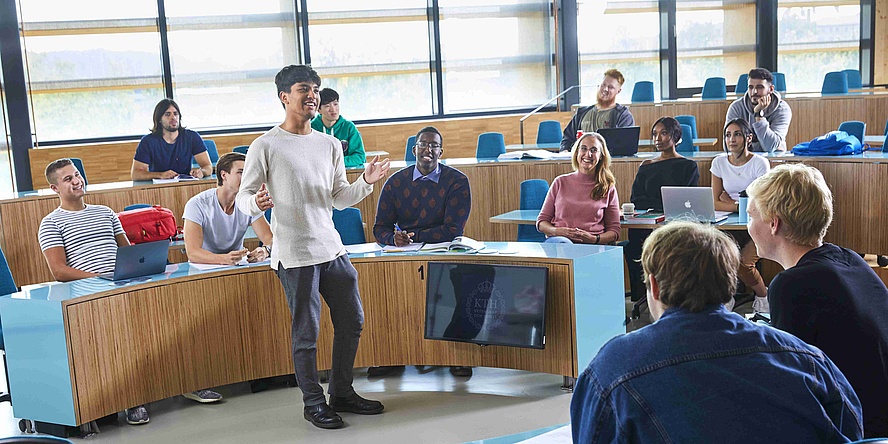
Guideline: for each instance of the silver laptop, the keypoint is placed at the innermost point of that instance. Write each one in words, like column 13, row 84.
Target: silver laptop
column 621, row 141
column 135, row 261
column 691, row 203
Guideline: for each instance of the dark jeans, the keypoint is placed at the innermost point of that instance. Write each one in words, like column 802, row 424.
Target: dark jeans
column 337, row 282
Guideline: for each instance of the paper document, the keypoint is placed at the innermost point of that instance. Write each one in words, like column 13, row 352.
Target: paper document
column 535, row 154
column 407, row 248
column 369, row 247
column 204, row 267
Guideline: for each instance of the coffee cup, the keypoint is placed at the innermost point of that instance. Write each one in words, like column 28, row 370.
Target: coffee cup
column 628, row 209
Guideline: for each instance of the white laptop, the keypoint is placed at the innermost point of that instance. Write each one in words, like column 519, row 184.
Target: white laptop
column 691, row 203
column 135, row 261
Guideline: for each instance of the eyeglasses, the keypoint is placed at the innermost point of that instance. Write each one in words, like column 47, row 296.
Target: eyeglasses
column 426, row 145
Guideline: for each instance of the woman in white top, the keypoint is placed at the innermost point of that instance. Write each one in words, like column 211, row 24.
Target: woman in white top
column 732, row 172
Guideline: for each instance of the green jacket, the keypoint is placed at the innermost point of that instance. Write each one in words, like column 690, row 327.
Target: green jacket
column 345, row 131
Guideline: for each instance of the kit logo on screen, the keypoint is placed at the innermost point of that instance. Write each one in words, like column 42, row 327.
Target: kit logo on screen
column 485, row 307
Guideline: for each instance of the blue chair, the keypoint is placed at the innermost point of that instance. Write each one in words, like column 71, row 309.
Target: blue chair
column 835, row 82
column 687, row 141
column 241, row 149
column 490, row 146
column 643, row 92
column 779, row 81
column 854, row 128
column 408, row 155
column 79, row 165
column 715, row 89
column 212, row 151
column 854, row 80
column 690, row 121
column 742, row 84
column 349, row 225
column 885, row 144
column 533, row 194
column 549, row 131
column 268, row 215
column 135, row 207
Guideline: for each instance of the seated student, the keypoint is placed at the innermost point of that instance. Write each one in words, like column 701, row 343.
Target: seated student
column 768, row 114
column 828, row 296
column 702, row 374
column 668, row 169
column 328, row 121
column 427, row 202
column 583, row 206
column 168, row 150
column 732, row 172
column 606, row 113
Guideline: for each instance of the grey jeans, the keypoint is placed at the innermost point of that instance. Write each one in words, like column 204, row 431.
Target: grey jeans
column 337, row 282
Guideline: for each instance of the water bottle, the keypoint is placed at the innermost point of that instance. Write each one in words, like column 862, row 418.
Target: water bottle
column 744, row 217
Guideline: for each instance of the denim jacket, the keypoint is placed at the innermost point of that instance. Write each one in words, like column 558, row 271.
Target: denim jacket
column 712, row 377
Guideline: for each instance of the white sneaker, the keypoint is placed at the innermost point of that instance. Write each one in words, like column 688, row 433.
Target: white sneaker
column 203, row 396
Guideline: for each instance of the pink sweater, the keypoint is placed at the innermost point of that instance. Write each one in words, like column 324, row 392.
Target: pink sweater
column 569, row 204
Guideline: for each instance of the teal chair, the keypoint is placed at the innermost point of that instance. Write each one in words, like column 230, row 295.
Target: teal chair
column 212, row 151
column 241, row 149
column 835, row 82
column 549, row 131
column 533, row 194
column 408, row 154
column 854, row 80
column 79, row 165
column 643, row 92
column 885, row 145
column 715, row 89
column 490, row 146
column 349, row 225
column 687, row 140
column 779, row 81
column 742, row 84
column 690, row 121
column 854, row 128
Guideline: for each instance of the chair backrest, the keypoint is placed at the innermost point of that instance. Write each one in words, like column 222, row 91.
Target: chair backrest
column 549, row 131
column 854, row 80
column 854, row 128
column 885, row 144
column 135, row 207
column 715, row 89
column 643, row 91
column 690, row 121
column 490, row 146
column 79, row 165
column 742, row 84
column 241, row 149
column 779, row 81
column 835, row 82
column 408, row 154
column 687, row 141
column 533, row 194
column 349, row 225
column 268, row 215
column 212, row 151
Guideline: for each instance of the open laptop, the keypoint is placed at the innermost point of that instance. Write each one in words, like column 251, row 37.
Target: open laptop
column 135, row 261
column 691, row 203
column 621, row 141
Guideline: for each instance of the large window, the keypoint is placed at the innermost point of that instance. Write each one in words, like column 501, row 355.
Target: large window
column 94, row 67
column 618, row 34
column 816, row 37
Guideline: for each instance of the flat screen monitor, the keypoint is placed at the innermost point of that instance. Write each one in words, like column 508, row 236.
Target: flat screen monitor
column 486, row 304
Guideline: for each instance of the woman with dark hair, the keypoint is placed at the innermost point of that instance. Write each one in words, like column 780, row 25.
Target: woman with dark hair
column 669, row 169
column 583, row 206
column 732, row 172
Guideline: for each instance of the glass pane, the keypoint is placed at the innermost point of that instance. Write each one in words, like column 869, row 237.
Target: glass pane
column 375, row 54
column 62, row 11
column 814, row 40
column 706, row 47
column 6, row 185
column 513, row 69
column 623, row 35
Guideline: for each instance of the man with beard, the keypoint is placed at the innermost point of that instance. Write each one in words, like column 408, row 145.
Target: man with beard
column 765, row 110
column 168, row 150
column 606, row 113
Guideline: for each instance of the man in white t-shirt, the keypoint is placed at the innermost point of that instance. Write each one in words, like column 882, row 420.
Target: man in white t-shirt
column 215, row 227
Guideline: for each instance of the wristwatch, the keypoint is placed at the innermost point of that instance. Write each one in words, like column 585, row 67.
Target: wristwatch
column 761, row 113
column 597, row 238
column 267, row 249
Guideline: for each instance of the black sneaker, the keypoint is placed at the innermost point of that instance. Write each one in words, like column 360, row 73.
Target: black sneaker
column 461, row 371
column 356, row 404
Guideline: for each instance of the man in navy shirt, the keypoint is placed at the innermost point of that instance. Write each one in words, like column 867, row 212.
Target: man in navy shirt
column 168, row 150
column 700, row 373
column 828, row 296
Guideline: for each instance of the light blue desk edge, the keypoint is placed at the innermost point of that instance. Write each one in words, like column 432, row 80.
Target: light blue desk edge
column 518, row 437
column 599, row 293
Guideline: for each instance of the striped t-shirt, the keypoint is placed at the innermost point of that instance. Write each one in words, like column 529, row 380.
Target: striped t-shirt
column 88, row 237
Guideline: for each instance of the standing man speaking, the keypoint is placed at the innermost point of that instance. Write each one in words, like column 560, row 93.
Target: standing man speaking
column 300, row 172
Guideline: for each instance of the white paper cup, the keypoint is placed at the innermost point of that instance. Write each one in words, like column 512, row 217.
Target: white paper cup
column 628, row 208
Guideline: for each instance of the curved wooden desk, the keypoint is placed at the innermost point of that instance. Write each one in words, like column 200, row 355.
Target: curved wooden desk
column 82, row 350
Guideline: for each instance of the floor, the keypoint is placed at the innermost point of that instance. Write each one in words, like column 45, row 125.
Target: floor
column 423, row 405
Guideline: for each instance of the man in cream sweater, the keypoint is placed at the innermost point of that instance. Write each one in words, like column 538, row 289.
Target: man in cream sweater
column 304, row 172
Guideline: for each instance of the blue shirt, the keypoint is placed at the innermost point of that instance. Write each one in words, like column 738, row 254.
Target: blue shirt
column 433, row 176
column 163, row 156
column 712, row 377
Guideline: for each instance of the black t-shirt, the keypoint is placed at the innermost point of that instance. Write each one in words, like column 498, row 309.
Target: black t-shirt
column 833, row 299
column 677, row 172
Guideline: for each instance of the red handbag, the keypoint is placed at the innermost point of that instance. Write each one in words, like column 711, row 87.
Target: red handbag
column 148, row 224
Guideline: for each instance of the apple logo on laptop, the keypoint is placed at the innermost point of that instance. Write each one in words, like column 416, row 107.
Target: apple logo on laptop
column 142, row 260
column 688, row 204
